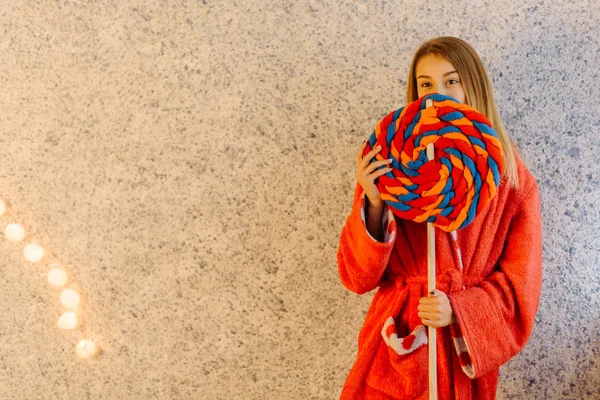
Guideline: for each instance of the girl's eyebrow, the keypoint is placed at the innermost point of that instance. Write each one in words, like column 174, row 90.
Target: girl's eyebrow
column 445, row 75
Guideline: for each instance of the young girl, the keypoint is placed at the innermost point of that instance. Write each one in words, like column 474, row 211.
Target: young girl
column 488, row 273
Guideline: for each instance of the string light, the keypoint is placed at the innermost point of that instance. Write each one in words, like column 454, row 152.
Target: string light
column 57, row 277
column 14, row 232
column 33, row 252
column 86, row 348
column 67, row 321
column 69, row 299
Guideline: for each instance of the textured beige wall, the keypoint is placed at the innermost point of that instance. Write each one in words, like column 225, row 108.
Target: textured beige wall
column 191, row 164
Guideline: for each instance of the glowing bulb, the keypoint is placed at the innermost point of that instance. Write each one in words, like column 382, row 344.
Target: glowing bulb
column 14, row 232
column 2, row 208
column 33, row 252
column 69, row 299
column 86, row 348
column 57, row 277
column 67, row 321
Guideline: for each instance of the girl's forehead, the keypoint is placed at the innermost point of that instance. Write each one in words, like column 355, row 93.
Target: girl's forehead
column 433, row 64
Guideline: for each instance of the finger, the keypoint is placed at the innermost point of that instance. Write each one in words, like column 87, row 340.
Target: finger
column 429, row 300
column 361, row 150
column 430, row 314
column 429, row 308
column 367, row 159
column 425, row 301
column 380, row 172
column 433, row 324
column 374, row 165
column 427, row 316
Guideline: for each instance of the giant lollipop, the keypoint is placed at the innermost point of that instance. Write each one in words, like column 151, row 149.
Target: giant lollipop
column 451, row 189
column 446, row 167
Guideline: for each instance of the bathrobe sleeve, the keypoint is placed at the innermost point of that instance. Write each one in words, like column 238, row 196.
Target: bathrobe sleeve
column 362, row 260
column 495, row 318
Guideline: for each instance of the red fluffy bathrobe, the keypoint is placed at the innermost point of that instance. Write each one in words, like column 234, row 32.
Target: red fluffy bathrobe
column 491, row 271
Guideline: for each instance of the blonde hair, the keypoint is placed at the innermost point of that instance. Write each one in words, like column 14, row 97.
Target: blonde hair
column 477, row 88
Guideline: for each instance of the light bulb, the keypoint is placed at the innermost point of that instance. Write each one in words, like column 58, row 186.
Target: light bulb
column 67, row 321
column 86, row 348
column 14, row 232
column 57, row 277
column 69, row 299
column 2, row 208
column 33, row 252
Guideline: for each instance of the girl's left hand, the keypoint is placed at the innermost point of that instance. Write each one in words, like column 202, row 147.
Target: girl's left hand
column 435, row 310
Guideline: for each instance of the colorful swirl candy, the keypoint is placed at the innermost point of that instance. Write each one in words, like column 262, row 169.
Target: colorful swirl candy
column 464, row 175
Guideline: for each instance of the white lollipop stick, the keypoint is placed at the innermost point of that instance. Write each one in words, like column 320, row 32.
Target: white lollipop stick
column 430, row 288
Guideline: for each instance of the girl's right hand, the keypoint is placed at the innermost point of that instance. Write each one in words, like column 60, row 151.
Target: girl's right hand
column 365, row 175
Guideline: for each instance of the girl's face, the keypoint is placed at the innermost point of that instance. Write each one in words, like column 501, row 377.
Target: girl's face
column 435, row 74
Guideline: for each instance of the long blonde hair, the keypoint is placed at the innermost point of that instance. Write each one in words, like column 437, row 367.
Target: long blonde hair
column 477, row 88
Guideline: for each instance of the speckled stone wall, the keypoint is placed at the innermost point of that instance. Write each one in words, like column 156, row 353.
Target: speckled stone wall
column 191, row 164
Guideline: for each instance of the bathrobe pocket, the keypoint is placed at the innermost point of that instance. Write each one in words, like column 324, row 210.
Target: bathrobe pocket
column 400, row 366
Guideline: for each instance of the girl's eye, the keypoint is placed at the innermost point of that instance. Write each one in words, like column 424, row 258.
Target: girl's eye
column 425, row 84
column 452, row 81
